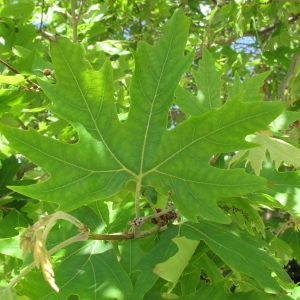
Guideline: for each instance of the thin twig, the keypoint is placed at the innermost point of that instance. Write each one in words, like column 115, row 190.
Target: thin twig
column 6, row 195
column 17, row 72
column 158, row 214
column 152, row 206
column 81, row 9
column 74, row 21
column 155, row 229
column 214, row 159
column 42, row 14
column 48, row 36
column 5, row 207
column 111, row 237
column 22, row 125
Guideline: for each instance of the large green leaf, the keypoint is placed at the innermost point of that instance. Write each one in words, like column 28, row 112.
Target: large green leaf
column 110, row 153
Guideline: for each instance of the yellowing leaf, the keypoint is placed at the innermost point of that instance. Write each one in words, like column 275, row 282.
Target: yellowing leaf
column 279, row 150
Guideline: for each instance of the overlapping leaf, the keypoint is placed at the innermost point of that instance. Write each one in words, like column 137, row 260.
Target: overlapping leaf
column 244, row 214
column 172, row 269
column 284, row 190
column 209, row 83
column 250, row 86
column 8, row 171
column 292, row 237
column 20, row 9
column 109, row 153
column 216, row 291
column 238, row 250
column 283, row 122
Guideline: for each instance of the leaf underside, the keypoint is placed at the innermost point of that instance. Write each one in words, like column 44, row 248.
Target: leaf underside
column 110, row 153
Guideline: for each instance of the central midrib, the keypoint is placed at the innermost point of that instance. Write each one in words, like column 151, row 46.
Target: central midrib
column 152, row 105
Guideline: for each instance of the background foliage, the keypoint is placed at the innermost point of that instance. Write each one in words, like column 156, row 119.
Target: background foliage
column 112, row 109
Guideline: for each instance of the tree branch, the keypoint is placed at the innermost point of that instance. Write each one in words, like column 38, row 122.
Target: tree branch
column 75, row 18
column 261, row 31
column 42, row 15
column 25, row 168
column 289, row 75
